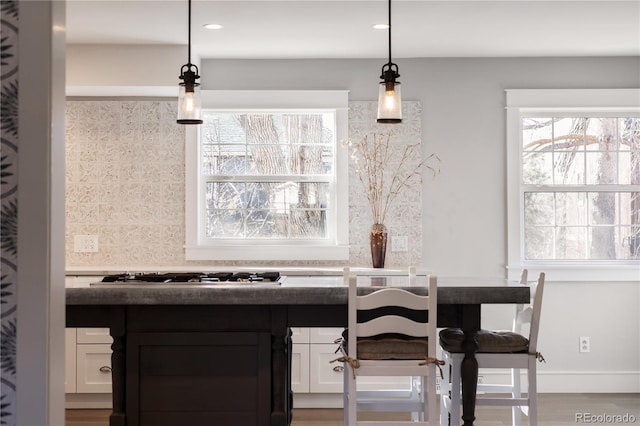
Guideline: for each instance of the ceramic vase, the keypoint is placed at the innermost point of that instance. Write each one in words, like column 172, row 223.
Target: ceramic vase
column 378, row 241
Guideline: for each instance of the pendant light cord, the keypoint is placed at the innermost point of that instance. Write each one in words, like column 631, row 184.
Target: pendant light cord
column 389, row 31
column 389, row 70
column 189, row 61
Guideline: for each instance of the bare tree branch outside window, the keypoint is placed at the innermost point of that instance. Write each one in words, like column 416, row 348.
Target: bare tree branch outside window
column 584, row 212
column 269, row 174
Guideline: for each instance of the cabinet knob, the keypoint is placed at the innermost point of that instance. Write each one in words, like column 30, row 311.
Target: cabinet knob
column 338, row 368
column 105, row 369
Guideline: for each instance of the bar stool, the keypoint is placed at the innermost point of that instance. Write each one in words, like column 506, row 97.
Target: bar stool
column 497, row 349
column 392, row 332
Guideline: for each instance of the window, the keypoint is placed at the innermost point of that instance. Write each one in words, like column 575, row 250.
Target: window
column 263, row 174
column 574, row 182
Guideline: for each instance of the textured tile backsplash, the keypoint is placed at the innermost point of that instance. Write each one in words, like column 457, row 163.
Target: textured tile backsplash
column 125, row 183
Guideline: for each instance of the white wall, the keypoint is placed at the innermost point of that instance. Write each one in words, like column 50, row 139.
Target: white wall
column 463, row 122
column 464, row 213
column 125, row 66
column 464, row 208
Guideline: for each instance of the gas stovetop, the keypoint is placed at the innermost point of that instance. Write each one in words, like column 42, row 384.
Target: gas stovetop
column 192, row 277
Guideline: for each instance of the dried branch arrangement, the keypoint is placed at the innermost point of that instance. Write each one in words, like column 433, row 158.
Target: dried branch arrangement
column 386, row 169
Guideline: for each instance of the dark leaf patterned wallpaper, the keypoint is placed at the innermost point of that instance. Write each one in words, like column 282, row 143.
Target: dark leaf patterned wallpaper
column 9, row 211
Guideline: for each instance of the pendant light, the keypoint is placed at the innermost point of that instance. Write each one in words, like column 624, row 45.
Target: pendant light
column 389, row 96
column 189, row 111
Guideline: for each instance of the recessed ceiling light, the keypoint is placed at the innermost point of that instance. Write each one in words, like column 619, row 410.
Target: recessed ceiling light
column 213, row 26
column 381, row 26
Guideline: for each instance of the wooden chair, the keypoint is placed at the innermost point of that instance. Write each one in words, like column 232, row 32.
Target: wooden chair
column 497, row 349
column 391, row 332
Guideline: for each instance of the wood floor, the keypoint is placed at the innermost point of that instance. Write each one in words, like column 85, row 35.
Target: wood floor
column 553, row 410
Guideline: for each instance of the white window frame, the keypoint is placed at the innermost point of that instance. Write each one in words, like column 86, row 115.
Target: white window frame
column 336, row 247
column 582, row 102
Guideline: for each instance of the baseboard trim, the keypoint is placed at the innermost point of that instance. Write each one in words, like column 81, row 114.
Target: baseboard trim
column 574, row 381
column 317, row 400
column 88, row 400
column 548, row 382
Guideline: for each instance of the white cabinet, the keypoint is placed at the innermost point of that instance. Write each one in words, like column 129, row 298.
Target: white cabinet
column 88, row 361
column 308, row 390
column 326, row 377
column 324, row 335
column 300, row 360
column 313, row 373
column 93, row 360
column 94, row 335
column 315, row 381
column 93, row 368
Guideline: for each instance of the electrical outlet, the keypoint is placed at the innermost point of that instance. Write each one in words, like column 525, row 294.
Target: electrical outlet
column 585, row 344
column 480, row 382
column 85, row 244
column 399, row 243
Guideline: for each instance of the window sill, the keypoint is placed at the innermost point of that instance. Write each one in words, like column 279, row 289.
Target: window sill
column 575, row 271
column 281, row 252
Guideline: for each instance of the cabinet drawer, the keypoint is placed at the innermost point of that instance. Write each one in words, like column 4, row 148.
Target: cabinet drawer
column 93, row 368
column 94, row 335
column 299, row 335
column 324, row 335
column 300, row 368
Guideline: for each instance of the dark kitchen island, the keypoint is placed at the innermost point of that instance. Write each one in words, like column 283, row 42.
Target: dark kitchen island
column 202, row 354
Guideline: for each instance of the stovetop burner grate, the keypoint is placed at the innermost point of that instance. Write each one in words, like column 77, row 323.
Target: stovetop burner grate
column 187, row 277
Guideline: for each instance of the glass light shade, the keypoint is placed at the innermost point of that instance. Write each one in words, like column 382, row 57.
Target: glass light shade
column 389, row 104
column 189, row 107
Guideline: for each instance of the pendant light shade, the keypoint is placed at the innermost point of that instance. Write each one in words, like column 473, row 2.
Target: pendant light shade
column 189, row 108
column 389, row 94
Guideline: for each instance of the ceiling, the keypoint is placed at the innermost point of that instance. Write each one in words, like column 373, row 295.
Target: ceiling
column 343, row 29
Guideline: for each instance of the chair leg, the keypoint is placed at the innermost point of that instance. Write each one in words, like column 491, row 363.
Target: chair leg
column 456, row 416
column 445, row 387
column 430, row 396
column 423, row 395
column 416, row 392
column 345, row 397
column 516, row 393
column 532, row 390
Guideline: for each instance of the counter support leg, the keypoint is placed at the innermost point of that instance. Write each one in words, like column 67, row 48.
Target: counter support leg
column 280, row 409
column 469, row 367
column 117, row 417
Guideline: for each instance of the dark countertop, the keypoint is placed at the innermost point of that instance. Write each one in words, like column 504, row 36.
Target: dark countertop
column 310, row 290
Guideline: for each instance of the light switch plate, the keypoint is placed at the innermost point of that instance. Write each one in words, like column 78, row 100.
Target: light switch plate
column 399, row 243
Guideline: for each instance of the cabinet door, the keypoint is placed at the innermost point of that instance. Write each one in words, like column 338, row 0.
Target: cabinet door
column 327, row 376
column 300, row 368
column 212, row 378
column 70, row 360
column 93, row 368
column 324, row 376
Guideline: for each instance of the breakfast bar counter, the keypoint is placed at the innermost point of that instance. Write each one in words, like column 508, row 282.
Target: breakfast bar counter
column 219, row 353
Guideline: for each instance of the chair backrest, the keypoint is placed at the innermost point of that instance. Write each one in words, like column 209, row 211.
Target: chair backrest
column 530, row 314
column 392, row 310
column 520, row 318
